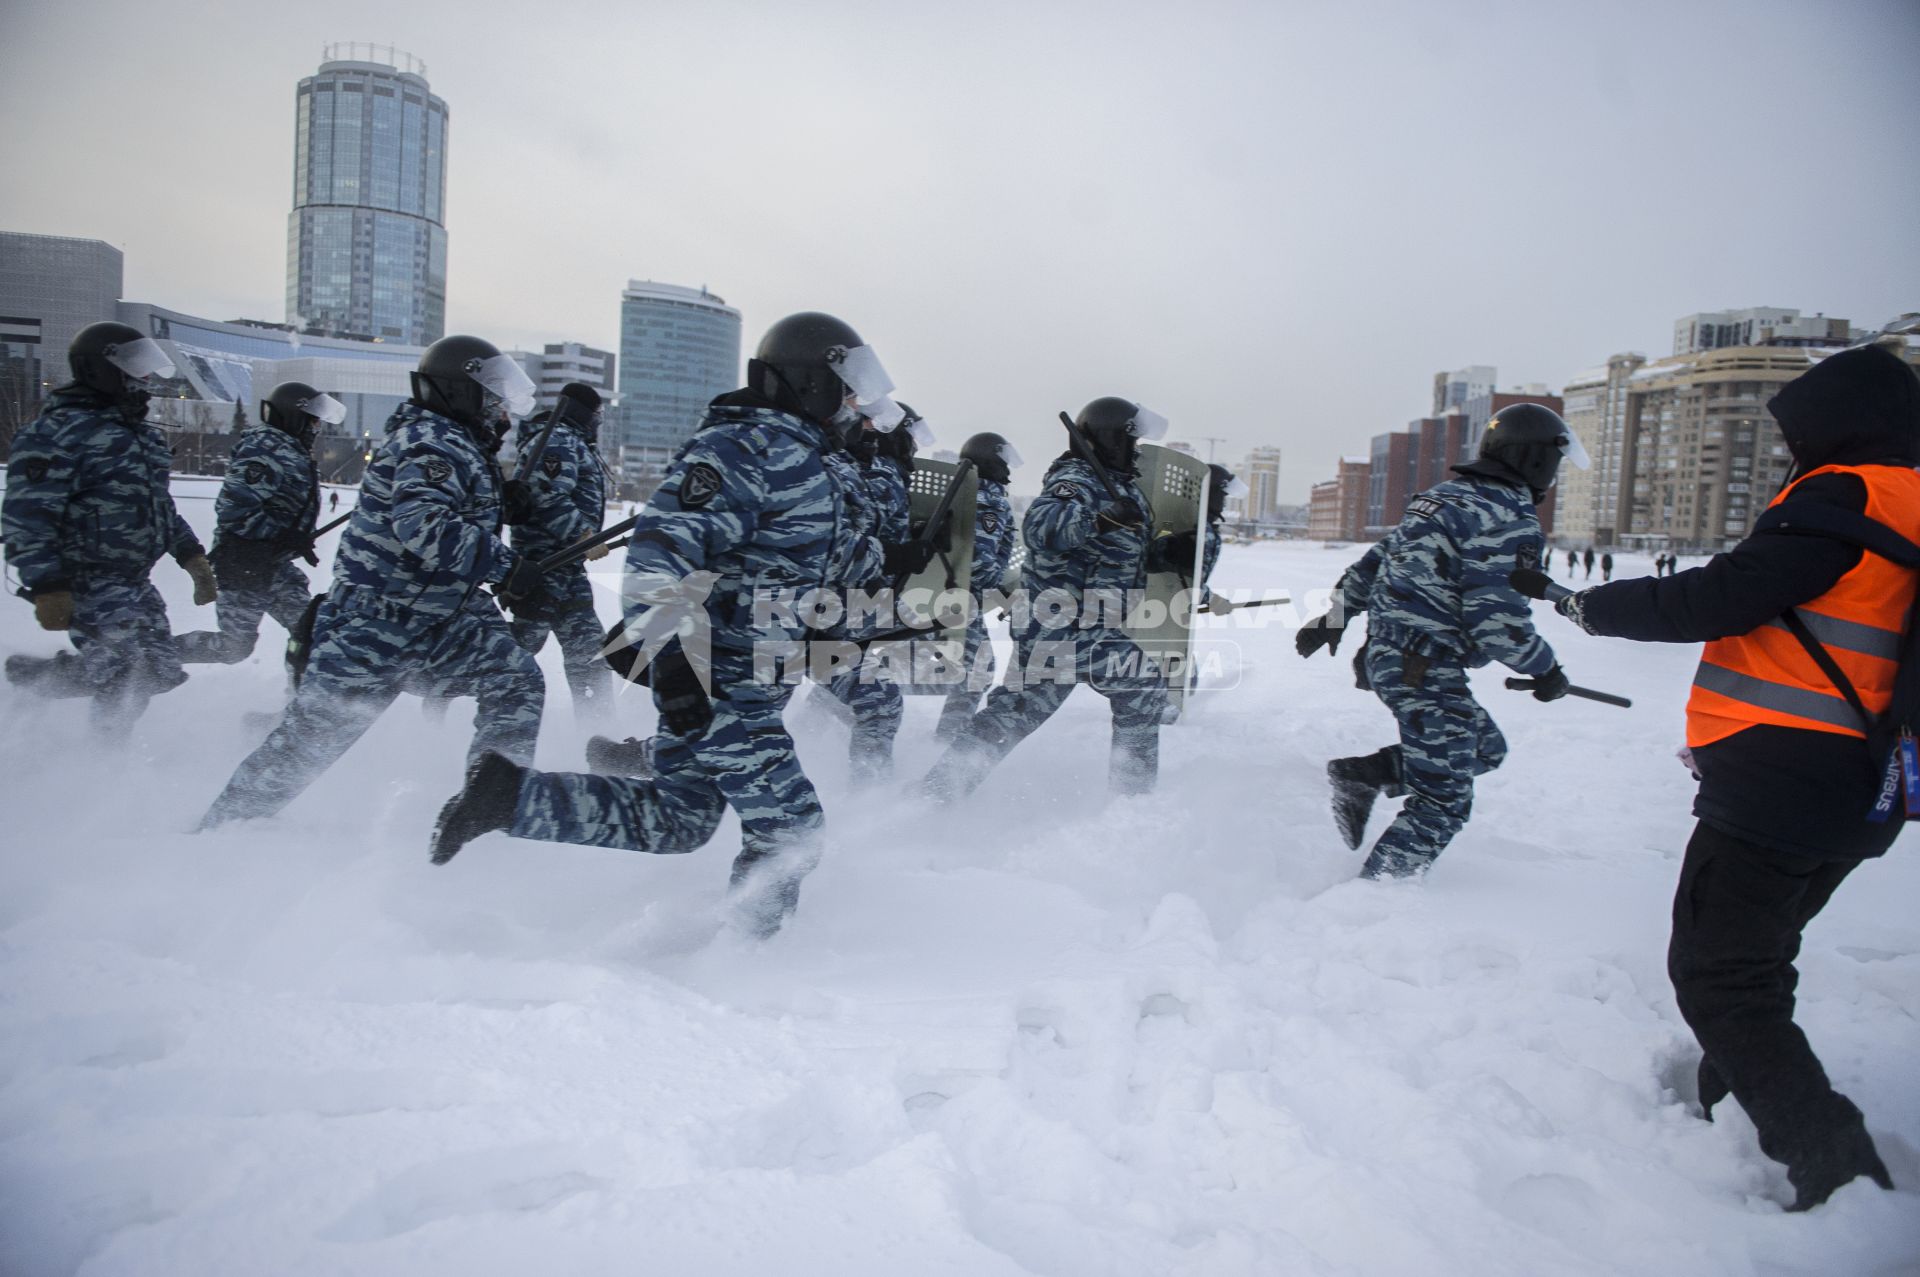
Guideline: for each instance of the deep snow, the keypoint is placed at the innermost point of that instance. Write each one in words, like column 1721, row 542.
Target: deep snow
column 1044, row 1033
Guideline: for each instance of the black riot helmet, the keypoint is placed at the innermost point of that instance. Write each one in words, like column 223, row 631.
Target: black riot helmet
column 469, row 380
column 116, row 362
column 808, row 364
column 579, row 407
column 1115, row 426
column 900, row 443
column 1221, row 484
column 992, row 456
column 298, row 409
column 1525, row 443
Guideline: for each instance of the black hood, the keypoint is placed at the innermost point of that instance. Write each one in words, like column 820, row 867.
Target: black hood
column 1500, row 472
column 1850, row 409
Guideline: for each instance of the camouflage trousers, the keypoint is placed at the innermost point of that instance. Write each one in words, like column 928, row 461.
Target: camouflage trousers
column 877, row 708
column 364, row 655
column 1047, row 666
column 239, row 611
column 744, row 759
column 1446, row 739
column 978, row 662
column 577, row 626
column 124, row 654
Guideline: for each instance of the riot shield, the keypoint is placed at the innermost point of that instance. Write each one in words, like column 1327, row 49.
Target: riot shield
column 940, row 588
column 1176, row 488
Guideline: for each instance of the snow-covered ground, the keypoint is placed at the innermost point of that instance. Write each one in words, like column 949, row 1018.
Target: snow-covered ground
column 1046, row 1033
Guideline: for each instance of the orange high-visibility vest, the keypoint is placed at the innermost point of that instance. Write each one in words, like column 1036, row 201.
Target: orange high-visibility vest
column 1766, row 677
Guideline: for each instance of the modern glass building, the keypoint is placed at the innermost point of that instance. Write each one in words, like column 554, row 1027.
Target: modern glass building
column 51, row 286
column 679, row 347
column 367, row 240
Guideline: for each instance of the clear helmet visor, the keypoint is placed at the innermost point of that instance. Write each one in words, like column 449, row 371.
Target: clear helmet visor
column 1573, row 450
column 324, row 407
column 1237, row 487
column 507, row 381
column 923, row 436
column 140, row 359
column 885, row 415
column 1010, row 455
column 859, row 368
column 1148, row 424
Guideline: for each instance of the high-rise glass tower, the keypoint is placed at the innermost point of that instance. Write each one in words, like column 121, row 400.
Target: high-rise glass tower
column 679, row 347
column 367, row 241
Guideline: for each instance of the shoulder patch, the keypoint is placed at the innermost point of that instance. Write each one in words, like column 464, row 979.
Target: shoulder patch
column 551, row 465
column 700, row 485
column 35, row 468
column 436, row 470
column 1425, row 506
column 989, row 522
column 1530, row 555
column 1065, row 491
column 255, row 473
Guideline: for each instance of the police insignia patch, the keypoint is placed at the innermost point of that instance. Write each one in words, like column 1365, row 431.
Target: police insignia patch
column 989, row 523
column 1425, row 506
column 255, row 473
column 551, row 465
column 436, row 470
column 35, row 469
column 1065, row 491
column 1529, row 556
column 701, row 485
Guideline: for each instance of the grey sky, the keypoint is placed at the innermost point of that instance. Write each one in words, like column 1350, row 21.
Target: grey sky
column 1270, row 222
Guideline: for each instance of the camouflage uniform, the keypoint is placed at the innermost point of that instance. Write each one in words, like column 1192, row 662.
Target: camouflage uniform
column 1070, row 556
column 1438, row 604
column 874, row 700
column 569, row 493
column 751, row 501
column 405, row 612
column 992, row 549
column 270, row 495
column 89, row 510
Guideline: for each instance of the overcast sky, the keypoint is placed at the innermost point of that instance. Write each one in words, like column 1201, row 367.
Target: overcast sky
column 1270, row 222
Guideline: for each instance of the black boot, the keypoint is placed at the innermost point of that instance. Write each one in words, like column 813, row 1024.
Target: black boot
column 1356, row 783
column 1846, row 1156
column 1712, row 1085
column 485, row 804
column 630, row 757
column 58, row 675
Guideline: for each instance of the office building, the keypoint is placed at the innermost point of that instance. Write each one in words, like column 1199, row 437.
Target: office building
column 1757, row 326
column 561, row 363
column 1592, row 507
column 367, row 240
column 51, row 286
column 1337, row 510
column 1453, row 389
column 679, row 347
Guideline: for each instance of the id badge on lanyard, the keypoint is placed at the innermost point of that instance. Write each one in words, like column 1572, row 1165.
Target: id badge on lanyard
column 1900, row 786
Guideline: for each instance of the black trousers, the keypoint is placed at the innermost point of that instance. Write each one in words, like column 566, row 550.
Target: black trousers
column 1737, row 919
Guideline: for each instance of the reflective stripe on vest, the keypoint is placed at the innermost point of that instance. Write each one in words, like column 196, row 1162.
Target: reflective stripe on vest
column 1766, row 677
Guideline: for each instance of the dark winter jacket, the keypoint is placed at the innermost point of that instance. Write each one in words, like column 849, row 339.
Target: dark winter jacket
column 1781, row 787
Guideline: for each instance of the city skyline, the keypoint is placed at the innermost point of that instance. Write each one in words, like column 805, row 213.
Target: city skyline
column 1313, row 211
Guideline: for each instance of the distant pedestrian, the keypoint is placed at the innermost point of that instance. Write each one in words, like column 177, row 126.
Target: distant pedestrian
column 333, row 500
column 1588, row 559
column 1606, row 566
column 1573, row 563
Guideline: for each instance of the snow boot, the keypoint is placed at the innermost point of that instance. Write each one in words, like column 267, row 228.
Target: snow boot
column 630, row 757
column 1847, row 1156
column 1356, row 783
column 1391, row 862
column 1133, row 762
column 53, row 676
column 484, row 805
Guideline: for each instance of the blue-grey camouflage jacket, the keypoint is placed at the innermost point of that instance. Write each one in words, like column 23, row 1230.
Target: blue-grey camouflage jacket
column 859, row 561
column 87, row 495
column 992, row 535
column 569, row 489
column 751, row 500
column 270, row 492
column 892, row 503
column 1437, row 584
column 1069, row 549
column 426, row 534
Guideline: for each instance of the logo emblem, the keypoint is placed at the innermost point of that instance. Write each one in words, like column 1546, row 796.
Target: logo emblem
column 989, row 523
column 1065, row 491
column 255, row 473
column 35, row 469
column 701, row 484
column 551, row 465
column 436, row 470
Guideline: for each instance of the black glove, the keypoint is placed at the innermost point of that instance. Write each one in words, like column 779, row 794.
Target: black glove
column 1551, row 686
column 1318, row 633
column 904, row 558
column 943, row 539
column 241, row 564
column 1178, row 547
column 516, row 503
column 1122, row 513
column 683, row 703
column 524, row 591
column 1531, row 582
